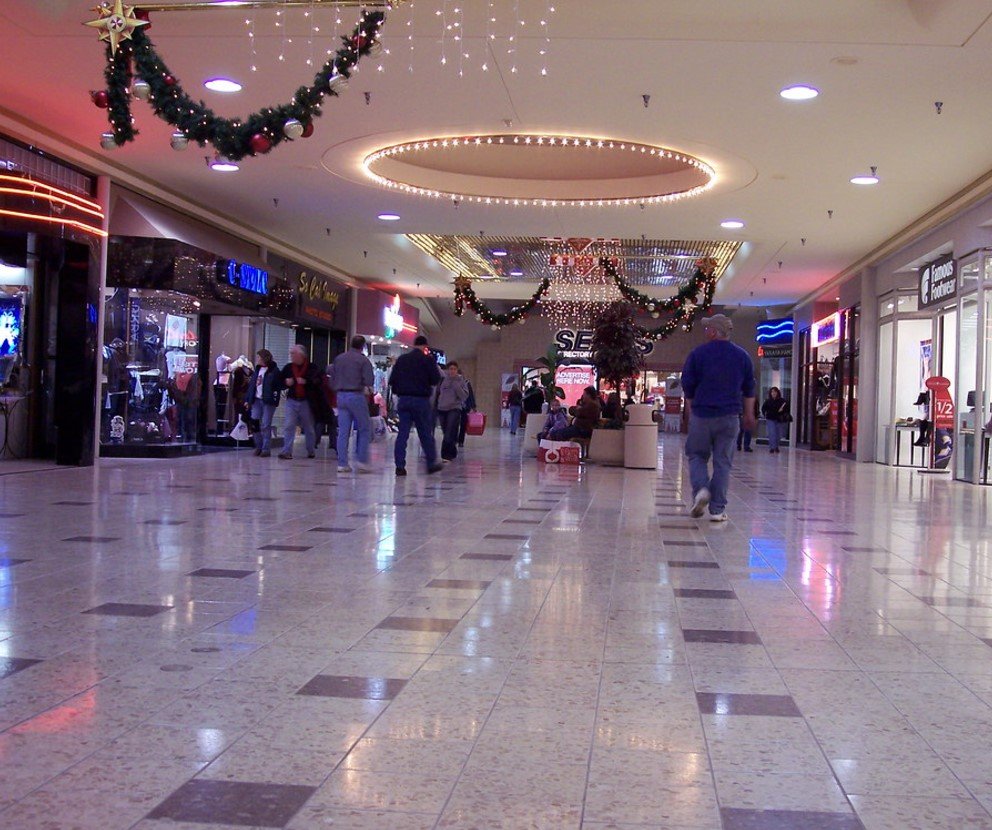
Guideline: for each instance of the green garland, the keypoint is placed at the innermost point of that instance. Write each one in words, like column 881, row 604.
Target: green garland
column 232, row 138
column 465, row 296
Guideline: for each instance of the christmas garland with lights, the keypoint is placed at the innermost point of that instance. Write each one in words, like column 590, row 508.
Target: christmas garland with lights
column 235, row 138
column 692, row 298
column 465, row 296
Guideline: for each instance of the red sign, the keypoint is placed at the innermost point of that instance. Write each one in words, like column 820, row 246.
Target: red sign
column 943, row 407
column 673, row 406
column 573, row 380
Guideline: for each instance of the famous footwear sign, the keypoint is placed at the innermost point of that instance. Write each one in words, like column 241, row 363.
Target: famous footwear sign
column 938, row 281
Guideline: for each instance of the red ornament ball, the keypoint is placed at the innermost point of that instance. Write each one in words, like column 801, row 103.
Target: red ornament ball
column 260, row 143
column 168, row 80
column 359, row 41
column 307, row 130
column 100, row 98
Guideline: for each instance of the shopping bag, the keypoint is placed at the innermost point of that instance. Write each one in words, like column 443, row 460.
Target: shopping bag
column 240, row 431
column 559, row 452
column 379, row 430
column 476, row 423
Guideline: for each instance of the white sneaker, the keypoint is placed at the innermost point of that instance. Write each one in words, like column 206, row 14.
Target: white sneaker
column 363, row 468
column 700, row 503
column 719, row 517
column 344, row 470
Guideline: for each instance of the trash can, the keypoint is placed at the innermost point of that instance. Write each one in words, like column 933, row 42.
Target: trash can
column 640, row 437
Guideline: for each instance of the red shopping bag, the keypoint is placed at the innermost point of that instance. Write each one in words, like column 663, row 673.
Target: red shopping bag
column 476, row 423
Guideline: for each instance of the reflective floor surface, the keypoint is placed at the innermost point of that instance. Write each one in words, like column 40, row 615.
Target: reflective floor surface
column 228, row 641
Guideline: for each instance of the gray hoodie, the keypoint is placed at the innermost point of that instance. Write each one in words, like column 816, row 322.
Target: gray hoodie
column 451, row 393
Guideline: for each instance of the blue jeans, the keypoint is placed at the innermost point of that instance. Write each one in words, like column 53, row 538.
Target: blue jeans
column 353, row 412
column 419, row 413
column 514, row 419
column 775, row 432
column 299, row 413
column 716, row 438
column 451, row 421
column 263, row 413
column 568, row 433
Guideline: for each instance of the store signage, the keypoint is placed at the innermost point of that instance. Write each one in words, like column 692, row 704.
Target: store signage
column 247, row 277
column 938, row 281
column 578, row 343
column 826, row 330
column 771, row 352
column 776, row 332
column 573, row 381
column 320, row 300
column 318, row 289
column 392, row 318
column 943, row 405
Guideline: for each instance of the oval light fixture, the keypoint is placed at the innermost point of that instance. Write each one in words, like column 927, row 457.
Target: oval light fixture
column 389, row 217
column 224, row 165
column 500, row 254
column 799, row 92
column 871, row 178
column 516, row 273
column 222, row 85
column 732, row 224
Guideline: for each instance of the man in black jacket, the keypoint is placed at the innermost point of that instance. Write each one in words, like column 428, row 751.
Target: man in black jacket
column 413, row 379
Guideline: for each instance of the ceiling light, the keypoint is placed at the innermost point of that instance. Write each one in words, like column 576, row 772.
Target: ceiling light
column 224, row 165
column 389, row 217
column 517, row 273
column 871, row 178
column 222, row 85
column 732, row 224
column 799, row 92
column 499, row 253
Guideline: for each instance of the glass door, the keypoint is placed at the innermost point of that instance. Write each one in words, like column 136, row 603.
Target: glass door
column 964, row 392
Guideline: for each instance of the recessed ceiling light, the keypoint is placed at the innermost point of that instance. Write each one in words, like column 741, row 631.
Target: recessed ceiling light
column 223, row 165
column 389, row 217
column 865, row 179
column 799, row 92
column 499, row 253
column 222, row 85
column 517, row 273
column 732, row 224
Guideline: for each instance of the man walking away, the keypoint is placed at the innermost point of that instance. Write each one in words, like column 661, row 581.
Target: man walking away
column 352, row 378
column 718, row 378
column 303, row 393
column 451, row 397
column 412, row 380
column 470, row 406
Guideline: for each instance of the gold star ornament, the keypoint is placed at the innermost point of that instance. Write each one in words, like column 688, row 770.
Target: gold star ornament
column 117, row 22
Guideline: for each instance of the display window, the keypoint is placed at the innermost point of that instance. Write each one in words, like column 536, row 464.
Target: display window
column 826, row 410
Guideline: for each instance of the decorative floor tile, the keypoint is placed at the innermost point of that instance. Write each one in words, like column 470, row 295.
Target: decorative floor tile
column 234, row 802
column 7, row 562
column 460, row 584
column 683, row 543
column 12, row 665
column 288, row 548
column 704, row 593
column 333, row 529
column 430, row 624
column 682, row 564
column 127, row 609
column 73, row 503
column 902, row 572
column 507, row 536
column 166, row 522
column 358, row 688
column 864, row 550
column 781, row 706
column 488, row 557
column 749, row 638
column 737, row 819
column 221, row 573
column 94, row 539
column 954, row 602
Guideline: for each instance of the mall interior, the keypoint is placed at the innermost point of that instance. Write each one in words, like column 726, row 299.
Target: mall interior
column 541, row 635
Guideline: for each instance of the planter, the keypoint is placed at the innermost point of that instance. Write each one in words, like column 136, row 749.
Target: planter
column 607, row 447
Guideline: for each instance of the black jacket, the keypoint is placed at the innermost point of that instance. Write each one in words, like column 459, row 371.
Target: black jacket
column 273, row 386
column 533, row 400
column 775, row 409
column 414, row 375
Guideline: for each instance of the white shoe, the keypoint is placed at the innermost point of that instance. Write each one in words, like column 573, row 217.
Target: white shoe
column 719, row 517
column 344, row 470
column 700, row 503
column 363, row 468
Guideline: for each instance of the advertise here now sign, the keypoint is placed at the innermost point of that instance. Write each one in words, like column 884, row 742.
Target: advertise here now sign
column 938, row 281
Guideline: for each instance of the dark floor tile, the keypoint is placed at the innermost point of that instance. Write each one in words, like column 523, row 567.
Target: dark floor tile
column 677, row 527
column 361, row 515
column 521, row 522
column 333, row 529
column 466, row 584
column 287, row 548
column 298, row 491
column 166, row 522
column 953, row 602
column 217, row 509
column 736, row 819
column 543, row 501
column 903, row 572
column 533, row 510
column 488, row 557
column 7, row 562
column 779, row 706
column 987, row 641
column 357, row 688
column 11, row 515
column 102, row 539
column 73, row 503
column 676, row 543
column 234, row 802
column 683, row 564
column 180, row 486
column 128, row 609
column 12, row 665
column 513, row 537
column 865, row 550
column 260, row 498
column 836, row 532
column 221, row 573
column 702, row 635
column 704, row 593
column 431, row 624
column 216, row 479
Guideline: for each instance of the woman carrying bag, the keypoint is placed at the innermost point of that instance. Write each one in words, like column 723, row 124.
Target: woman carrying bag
column 776, row 412
column 264, row 389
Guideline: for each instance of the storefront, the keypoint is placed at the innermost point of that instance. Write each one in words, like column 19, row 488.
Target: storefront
column 51, row 230
column 389, row 327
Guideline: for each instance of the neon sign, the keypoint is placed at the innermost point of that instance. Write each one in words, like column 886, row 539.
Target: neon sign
column 248, row 277
column 826, row 330
column 392, row 318
column 776, row 331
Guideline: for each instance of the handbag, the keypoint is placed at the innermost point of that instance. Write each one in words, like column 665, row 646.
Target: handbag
column 379, row 429
column 476, row 423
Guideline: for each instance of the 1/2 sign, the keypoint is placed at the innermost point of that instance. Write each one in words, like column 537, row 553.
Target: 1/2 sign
column 943, row 406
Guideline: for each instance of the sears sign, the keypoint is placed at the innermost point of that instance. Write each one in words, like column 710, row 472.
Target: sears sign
column 578, row 343
column 938, row 281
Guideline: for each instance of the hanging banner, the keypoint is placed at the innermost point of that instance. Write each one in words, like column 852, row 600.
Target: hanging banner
column 942, row 414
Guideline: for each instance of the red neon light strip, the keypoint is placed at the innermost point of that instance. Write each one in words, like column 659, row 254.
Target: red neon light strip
column 54, row 221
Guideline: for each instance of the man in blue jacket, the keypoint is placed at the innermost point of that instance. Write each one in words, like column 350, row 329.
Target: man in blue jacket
column 413, row 379
column 718, row 378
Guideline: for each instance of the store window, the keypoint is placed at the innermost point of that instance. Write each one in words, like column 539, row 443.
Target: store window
column 152, row 390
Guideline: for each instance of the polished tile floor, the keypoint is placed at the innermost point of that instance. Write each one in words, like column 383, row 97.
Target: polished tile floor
column 228, row 641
